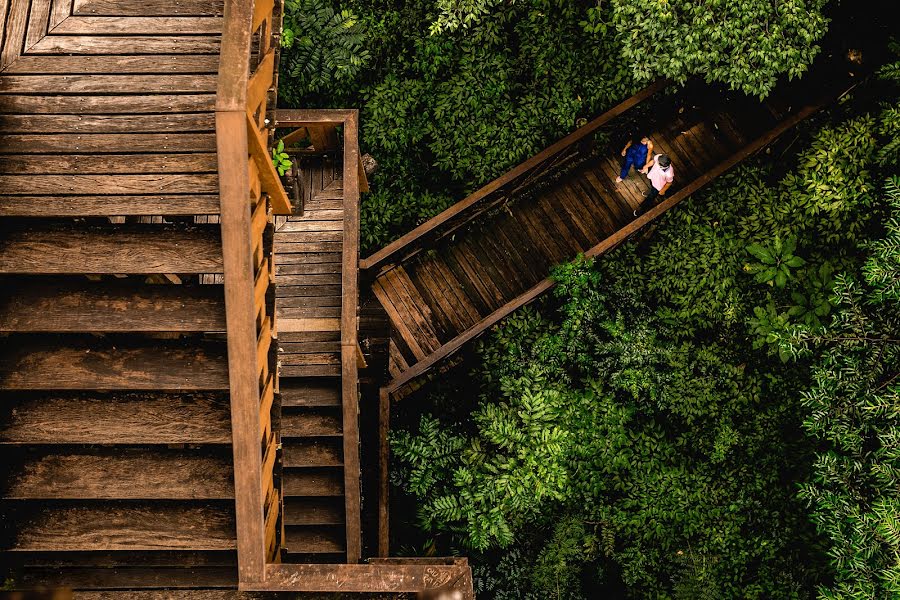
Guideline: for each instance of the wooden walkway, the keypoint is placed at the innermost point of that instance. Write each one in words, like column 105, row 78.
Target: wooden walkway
column 452, row 278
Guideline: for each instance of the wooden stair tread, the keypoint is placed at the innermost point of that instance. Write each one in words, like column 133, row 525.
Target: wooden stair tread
column 200, row 202
column 115, row 419
column 123, row 474
column 113, row 249
column 311, row 423
column 313, row 511
column 320, row 452
column 313, row 482
column 103, row 366
column 216, row 583
column 314, row 539
column 142, row 526
column 304, row 392
column 110, row 307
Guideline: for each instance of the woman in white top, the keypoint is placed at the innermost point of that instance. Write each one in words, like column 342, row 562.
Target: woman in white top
column 661, row 175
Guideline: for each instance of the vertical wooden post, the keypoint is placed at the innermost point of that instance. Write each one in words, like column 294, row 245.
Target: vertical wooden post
column 349, row 323
column 384, row 428
column 237, row 251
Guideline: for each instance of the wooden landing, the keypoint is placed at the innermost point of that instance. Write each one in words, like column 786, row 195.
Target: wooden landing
column 451, row 279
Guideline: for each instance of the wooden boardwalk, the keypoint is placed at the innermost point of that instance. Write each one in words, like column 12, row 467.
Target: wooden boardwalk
column 455, row 276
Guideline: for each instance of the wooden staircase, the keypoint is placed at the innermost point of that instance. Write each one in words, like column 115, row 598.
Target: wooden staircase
column 309, row 304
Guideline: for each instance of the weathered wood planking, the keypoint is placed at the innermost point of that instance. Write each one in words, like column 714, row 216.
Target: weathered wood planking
column 106, row 419
column 67, row 307
column 107, row 104
column 96, row 366
column 130, row 475
column 110, row 250
column 129, row 527
column 114, row 64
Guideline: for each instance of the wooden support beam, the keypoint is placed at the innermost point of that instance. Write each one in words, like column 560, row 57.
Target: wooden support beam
column 384, row 486
column 271, row 182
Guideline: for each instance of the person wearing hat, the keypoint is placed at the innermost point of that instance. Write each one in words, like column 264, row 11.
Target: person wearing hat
column 661, row 176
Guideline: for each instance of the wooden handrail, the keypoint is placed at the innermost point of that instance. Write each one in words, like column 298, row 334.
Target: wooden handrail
column 403, row 246
column 248, row 193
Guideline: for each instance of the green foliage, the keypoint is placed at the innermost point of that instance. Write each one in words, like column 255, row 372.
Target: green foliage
column 323, row 48
column 280, row 159
column 746, row 45
column 853, row 410
column 676, row 386
column 445, row 114
column 456, row 14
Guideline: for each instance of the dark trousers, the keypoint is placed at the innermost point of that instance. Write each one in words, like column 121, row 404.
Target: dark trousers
column 649, row 202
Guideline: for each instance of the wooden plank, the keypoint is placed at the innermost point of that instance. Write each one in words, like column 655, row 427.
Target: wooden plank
column 103, row 366
column 271, row 182
column 312, row 511
column 114, row 65
column 309, row 393
column 310, row 371
column 69, row 307
column 384, row 488
column 116, row 419
column 320, row 452
column 105, row 84
column 313, row 539
column 311, row 358
column 161, row 184
column 86, row 143
column 133, row 527
column 112, row 104
column 262, row 9
column 296, row 325
column 295, row 224
column 16, row 23
column 118, row 249
column 367, row 578
column 165, row 123
column 264, row 341
column 138, row 580
column 150, row 8
column 313, row 482
column 132, row 474
column 232, row 144
column 261, row 80
column 60, row 10
column 38, row 22
column 158, row 25
column 99, row 44
column 82, row 206
column 313, row 422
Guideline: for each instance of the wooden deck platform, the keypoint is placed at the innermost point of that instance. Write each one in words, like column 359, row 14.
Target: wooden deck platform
column 452, row 278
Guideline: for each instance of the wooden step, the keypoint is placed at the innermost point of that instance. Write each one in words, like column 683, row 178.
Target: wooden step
column 211, row 583
column 46, row 306
column 139, row 474
column 104, row 366
column 318, row 452
column 311, row 422
column 310, row 392
column 313, row 482
column 197, row 203
column 317, row 539
column 112, row 249
column 313, row 511
column 122, row 526
column 114, row 419
column 310, row 371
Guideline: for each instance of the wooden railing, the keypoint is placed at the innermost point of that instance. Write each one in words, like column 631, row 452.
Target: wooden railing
column 320, row 126
column 523, row 177
column 250, row 193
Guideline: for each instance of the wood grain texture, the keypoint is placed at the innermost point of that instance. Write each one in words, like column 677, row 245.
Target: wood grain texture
column 129, row 527
column 109, row 185
column 110, row 250
column 107, row 164
column 114, row 64
column 149, row 8
column 84, row 206
column 107, row 367
column 132, row 474
column 104, row 84
column 110, row 307
column 107, row 104
column 159, row 418
column 157, row 25
column 90, row 143
column 98, row 44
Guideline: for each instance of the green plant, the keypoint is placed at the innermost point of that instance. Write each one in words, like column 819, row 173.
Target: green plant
column 280, row 159
column 776, row 261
